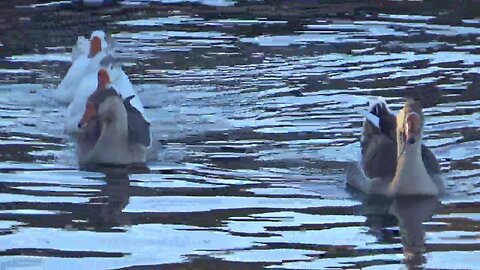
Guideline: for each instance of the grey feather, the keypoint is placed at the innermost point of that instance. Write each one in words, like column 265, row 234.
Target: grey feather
column 429, row 161
column 99, row 96
column 138, row 127
column 108, row 61
column 380, row 157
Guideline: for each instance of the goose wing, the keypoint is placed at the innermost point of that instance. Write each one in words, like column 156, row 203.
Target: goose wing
column 430, row 161
column 379, row 148
column 138, row 127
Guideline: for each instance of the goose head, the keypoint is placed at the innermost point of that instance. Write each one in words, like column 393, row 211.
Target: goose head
column 93, row 108
column 410, row 122
column 98, row 43
column 103, row 78
column 103, row 107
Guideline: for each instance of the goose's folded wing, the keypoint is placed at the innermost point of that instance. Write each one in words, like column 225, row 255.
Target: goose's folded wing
column 379, row 157
column 429, row 161
column 138, row 127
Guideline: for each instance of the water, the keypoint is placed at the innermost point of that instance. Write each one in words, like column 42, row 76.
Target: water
column 256, row 113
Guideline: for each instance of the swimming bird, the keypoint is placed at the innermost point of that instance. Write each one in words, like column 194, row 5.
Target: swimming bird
column 394, row 162
column 112, row 131
column 85, row 59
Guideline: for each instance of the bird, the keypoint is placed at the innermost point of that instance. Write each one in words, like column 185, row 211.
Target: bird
column 85, row 59
column 394, row 161
column 112, row 131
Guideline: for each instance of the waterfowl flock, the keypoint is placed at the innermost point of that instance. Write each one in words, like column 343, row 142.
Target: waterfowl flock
column 394, row 161
column 103, row 113
column 108, row 120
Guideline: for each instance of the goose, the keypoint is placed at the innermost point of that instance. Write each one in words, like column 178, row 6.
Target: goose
column 117, row 79
column 85, row 59
column 112, row 131
column 394, row 162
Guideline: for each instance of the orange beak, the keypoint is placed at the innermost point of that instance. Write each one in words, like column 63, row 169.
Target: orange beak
column 103, row 79
column 89, row 114
column 95, row 46
column 412, row 127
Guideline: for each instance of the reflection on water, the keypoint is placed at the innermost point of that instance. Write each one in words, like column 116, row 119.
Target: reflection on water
column 115, row 197
column 411, row 212
column 254, row 103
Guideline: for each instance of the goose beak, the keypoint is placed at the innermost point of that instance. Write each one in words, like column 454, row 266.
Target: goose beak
column 412, row 127
column 89, row 114
column 95, row 46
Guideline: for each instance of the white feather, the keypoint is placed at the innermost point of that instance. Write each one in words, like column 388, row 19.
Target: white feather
column 369, row 116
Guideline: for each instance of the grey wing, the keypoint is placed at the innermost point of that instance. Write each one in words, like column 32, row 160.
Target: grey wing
column 429, row 161
column 380, row 157
column 138, row 127
column 387, row 123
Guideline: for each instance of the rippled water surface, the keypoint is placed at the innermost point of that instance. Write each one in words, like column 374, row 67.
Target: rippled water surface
column 255, row 105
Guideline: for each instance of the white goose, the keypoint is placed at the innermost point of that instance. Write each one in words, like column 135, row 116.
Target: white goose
column 83, row 55
column 394, row 160
column 112, row 131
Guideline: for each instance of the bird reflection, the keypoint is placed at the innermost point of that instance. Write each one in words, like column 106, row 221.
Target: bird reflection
column 117, row 194
column 410, row 212
column 114, row 198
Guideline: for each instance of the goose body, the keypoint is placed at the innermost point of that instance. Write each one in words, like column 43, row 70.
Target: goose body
column 394, row 162
column 112, row 131
column 80, row 61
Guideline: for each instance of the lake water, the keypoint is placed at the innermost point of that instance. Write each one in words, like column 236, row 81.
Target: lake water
column 255, row 105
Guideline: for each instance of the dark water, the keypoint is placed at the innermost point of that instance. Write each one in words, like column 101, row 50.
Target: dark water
column 255, row 105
